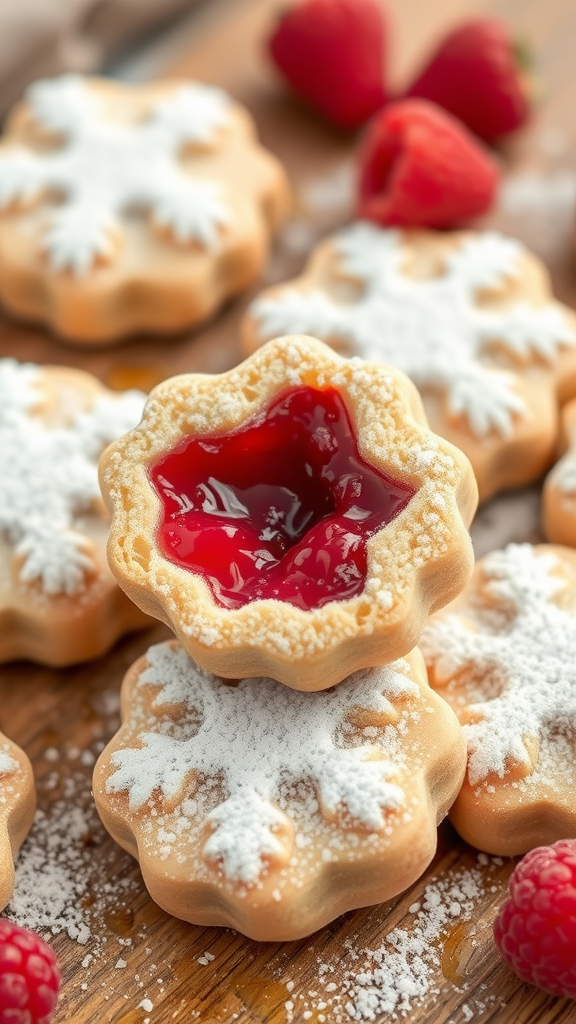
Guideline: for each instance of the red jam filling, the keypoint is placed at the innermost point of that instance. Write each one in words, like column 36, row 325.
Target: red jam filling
column 281, row 508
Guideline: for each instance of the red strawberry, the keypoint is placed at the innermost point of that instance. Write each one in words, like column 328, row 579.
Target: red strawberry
column 480, row 75
column 332, row 52
column 421, row 167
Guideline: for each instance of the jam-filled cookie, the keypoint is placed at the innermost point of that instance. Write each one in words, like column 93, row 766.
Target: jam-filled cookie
column 559, row 494
column 131, row 207
column 504, row 657
column 17, row 807
column 292, row 518
column 251, row 805
column 469, row 317
column 59, row 602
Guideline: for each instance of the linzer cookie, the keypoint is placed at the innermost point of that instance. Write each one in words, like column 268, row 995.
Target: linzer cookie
column 59, row 602
column 559, row 494
column 503, row 656
column 17, row 807
column 469, row 317
column 131, row 207
column 271, row 811
column 293, row 518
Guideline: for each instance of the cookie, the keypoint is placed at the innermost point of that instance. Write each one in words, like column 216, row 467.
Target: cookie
column 130, row 208
column 253, row 806
column 17, row 807
column 468, row 316
column 59, row 602
column 292, row 518
column 559, row 494
column 503, row 656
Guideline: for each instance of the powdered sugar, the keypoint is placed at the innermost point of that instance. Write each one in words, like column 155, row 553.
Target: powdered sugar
column 435, row 329
column 400, row 972
column 332, row 194
column 508, row 662
column 49, row 476
column 51, row 875
column 7, row 763
column 540, row 205
column 257, row 736
column 547, row 195
column 410, row 966
column 104, row 167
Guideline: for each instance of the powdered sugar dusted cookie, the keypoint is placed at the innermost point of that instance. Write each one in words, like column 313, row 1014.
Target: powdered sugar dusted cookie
column 251, row 805
column 559, row 495
column 504, row 657
column 59, row 602
column 131, row 207
column 17, row 806
column 293, row 518
column 470, row 319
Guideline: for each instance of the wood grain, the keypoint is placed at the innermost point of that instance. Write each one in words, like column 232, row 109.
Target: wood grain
column 75, row 710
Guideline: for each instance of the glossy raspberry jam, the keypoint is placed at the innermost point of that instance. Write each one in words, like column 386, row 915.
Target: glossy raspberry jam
column 281, row 508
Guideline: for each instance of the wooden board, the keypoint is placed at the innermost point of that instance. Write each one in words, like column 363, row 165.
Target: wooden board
column 136, row 952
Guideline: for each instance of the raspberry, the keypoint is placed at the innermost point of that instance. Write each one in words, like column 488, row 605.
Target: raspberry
column 535, row 930
column 421, row 167
column 333, row 54
column 480, row 75
column 29, row 977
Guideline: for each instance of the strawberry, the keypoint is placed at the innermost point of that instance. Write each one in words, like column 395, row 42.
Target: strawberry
column 480, row 75
column 333, row 52
column 421, row 167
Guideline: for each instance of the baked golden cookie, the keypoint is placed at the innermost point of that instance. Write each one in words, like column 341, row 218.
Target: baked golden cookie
column 559, row 494
column 503, row 656
column 271, row 811
column 59, row 602
column 130, row 208
column 468, row 316
column 292, row 518
column 17, row 807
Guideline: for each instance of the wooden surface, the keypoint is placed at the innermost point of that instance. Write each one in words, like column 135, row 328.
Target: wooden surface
column 76, row 710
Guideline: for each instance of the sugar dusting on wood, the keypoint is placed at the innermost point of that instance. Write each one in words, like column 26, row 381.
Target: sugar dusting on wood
column 404, row 971
column 66, row 888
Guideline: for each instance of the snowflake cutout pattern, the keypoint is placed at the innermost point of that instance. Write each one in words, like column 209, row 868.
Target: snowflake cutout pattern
column 255, row 737
column 433, row 329
column 49, row 477
column 507, row 661
column 104, row 168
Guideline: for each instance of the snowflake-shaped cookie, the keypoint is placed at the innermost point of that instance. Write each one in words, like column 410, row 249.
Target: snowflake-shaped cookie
column 251, row 805
column 135, row 207
column 559, row 494
column 468, row 317
column 416, row 561
column 504, row 657
column 60, row 603
column 17, row 806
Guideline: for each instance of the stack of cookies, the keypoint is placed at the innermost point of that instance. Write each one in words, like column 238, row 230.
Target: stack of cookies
column 294, row 521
